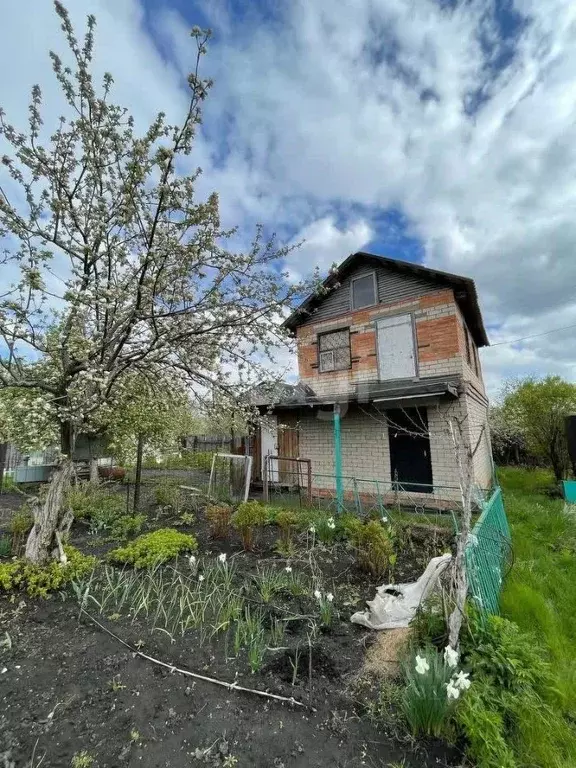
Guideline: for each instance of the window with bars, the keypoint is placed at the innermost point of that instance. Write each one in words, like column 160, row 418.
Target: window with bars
column 334, row 351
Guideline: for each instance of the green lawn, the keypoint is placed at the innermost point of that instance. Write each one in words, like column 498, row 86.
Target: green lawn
column 540, row 596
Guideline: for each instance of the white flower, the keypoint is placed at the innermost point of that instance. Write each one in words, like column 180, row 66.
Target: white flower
column 200, row 578
column 288, row 569
column 329, row 597
column 331, row 523
column 451, row 691
column 318, row 594
column 450, row 657
column 422, row 665
column 462, row 681
column 192, row 561
column 312, row 529
column 384, row 519
column 222, row 557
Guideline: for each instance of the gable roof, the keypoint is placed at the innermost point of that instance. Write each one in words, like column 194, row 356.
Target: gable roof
column 463, row 287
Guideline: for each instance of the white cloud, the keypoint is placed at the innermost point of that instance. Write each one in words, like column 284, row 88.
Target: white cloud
column 324, row 243
column 316, row 116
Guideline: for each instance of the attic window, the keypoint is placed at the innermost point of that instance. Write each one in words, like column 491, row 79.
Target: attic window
column 334, row 351
column 363, row 291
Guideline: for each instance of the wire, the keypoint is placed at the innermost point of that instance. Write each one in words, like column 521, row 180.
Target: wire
column 533, row 336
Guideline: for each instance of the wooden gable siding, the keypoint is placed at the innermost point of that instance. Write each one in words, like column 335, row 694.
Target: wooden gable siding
column 393, row 286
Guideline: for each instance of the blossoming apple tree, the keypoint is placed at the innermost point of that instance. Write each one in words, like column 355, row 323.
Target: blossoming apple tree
column 113, row 267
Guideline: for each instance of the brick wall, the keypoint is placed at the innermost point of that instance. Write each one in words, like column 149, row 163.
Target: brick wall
column 438, row 332
column 479, row 434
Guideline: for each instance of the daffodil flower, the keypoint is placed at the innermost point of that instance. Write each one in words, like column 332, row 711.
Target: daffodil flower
column 451, row 691
column 318, row 594
column 288, row 569
column 450, row 657
column 462, row 681
column 222, row 557
column 422, row 665
column 330, row 597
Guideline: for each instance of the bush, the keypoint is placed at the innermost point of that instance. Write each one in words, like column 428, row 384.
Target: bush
column 513, row 717
column 374, row 547
column 218, row 516
column 20, row 526
column 287, row 520
column 168, row 494
column 248, row 516
column 39, row 580
column 154, row 548
column 126, row 525
column 509, row 658
column 5, row 546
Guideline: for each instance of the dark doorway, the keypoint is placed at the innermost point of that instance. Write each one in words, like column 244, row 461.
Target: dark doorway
column 409, row 439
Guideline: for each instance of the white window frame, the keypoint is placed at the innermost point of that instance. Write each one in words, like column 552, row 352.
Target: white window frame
column 375, row 284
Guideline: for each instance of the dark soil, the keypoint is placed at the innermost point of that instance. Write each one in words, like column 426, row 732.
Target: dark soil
column 69, row 686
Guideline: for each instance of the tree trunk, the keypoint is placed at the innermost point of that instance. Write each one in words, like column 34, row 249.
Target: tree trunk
column 459, row 578
column 94, row 471
column 138, row 478
column 51, row 521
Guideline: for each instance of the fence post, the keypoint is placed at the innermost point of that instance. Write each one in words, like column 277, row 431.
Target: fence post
column 138, row 477
column 338, row 460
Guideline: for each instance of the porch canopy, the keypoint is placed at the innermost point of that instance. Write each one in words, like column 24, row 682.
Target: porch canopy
column 393, row 394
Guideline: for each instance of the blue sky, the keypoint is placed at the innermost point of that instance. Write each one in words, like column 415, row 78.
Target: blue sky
column 436, row 131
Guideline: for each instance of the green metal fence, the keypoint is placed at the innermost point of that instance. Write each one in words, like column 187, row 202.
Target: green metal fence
column 488, row 555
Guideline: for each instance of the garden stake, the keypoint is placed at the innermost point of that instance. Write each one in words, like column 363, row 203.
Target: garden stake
column 172, row 668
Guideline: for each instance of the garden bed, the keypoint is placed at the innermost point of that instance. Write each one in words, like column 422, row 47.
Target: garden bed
column 72, row 687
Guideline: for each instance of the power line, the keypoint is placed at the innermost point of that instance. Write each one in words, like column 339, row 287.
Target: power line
column 533, row 336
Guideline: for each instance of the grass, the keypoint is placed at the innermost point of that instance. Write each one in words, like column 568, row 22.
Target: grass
column 540, row 596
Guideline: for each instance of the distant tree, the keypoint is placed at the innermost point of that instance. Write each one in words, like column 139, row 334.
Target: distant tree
column 113, row 266
column 537, row 408
column 508, row 441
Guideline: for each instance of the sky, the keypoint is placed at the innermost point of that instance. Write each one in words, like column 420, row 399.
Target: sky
column 436, row 131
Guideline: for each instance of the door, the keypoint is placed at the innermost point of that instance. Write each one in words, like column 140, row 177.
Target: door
column 289, row 447
column 269, row 446
column 409, row 439
column 396, row 355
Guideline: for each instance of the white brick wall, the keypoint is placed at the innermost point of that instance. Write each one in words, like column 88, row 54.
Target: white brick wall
column 365, row 446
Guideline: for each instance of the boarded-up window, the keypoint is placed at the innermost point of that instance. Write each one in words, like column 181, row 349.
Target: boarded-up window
column 396, row 357
column 334, row 351
column 364, row 291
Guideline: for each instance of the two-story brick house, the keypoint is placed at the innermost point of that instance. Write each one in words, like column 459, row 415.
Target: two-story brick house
column 391, row 347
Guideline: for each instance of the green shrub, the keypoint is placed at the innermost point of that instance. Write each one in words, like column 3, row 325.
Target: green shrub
column 322, row 526
column 5, row 546
column 20, row 526
column 218, row 516
column 168, row 494
column 248, row 516
column 482, row 724
column 154, row 548
column 429, row 623
column 39, row 580
column 425, row 701
column 373, row 546
column 125, row 526
column 287, row 520
column 511, row 659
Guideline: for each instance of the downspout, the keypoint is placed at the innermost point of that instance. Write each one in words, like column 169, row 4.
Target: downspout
column 338, row 460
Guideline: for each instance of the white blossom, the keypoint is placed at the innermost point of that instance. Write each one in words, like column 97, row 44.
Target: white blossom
column 312, row 529
column 200, row 578
column 451, row 691
column 422, row 665
column 450, row 657
column 317, row 594
column 462, row 681
column 222, row 557
column 288, row 569
column 330, row 597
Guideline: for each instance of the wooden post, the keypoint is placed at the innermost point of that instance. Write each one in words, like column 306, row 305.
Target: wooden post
column 3, row 462
column 309, row 473
column 138, row 477
column 265, row 478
